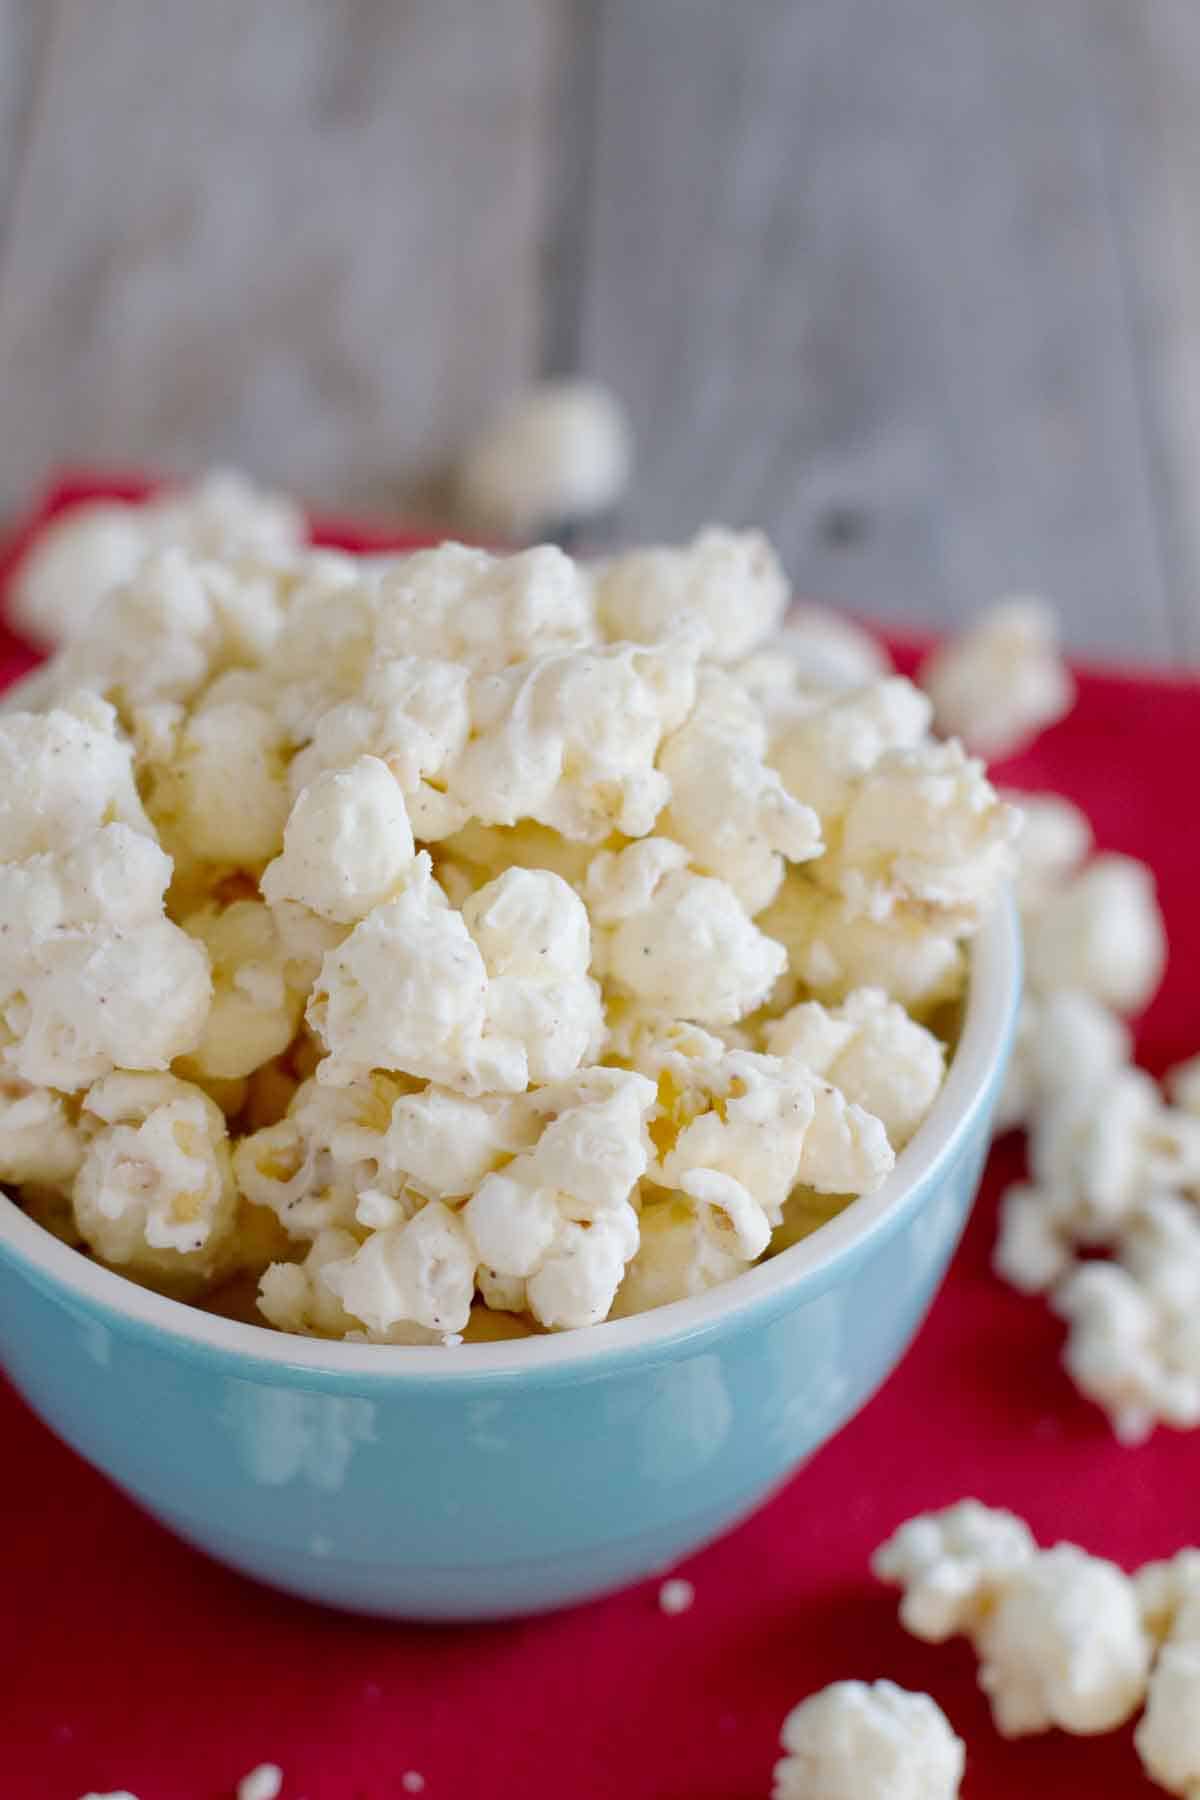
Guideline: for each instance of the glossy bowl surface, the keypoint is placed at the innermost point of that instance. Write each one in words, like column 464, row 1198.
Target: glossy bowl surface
column 498, row 1479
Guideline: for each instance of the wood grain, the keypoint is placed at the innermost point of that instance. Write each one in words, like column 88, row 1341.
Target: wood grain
column 303, row 234
column 853, row 268
column 1147, row 71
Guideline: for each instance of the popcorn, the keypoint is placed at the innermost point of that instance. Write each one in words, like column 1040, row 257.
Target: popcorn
column 534, row 935
column 155, row 1190
column 676, row 1597
column 923, row 828
column 295, row 1296
column 420, row 1271
column 63, row 773
column 230, row 745
column 676, row 942
column 1067, row 1043
column 684, row 1249
column 256, row 1006
column 1058, row 1633
column 825, row 747
column 570, row 741
column 727, row 807
column 871, row 1050
column 86, row 552
column 40, row 1141
column 1101, row 932
column 729, row 579
column 474, row 892
column 1001, row 683
column 558, row 1217
column 311, row 1167
column 560, row 452
column 1134, row 1342
column 816, row 648
column 832, row 950
column 852, row 1741
column 263, row 1783
column 1168, row 1734
column 347, row 844
column 1055, row 839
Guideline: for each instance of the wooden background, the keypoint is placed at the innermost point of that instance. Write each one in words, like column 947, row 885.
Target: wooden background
column 915, row 284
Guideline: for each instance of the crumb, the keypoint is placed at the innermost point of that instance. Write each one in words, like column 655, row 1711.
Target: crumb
column 412, row 1783
column 262, row 1783
column 675, row 1596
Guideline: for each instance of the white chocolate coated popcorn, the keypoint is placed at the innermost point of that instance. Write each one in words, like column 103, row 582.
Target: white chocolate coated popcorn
column 347, row 844
column 90, row 549
column 1003, row 681
column 729, row 579
column 155, row 1188
column 1168, row 1733
column 852, row 1741
column 871, row 1049
column 1101, row 932
column 469, row 888
column 1059, row 1633
column 727, row 807
column 561, row 451
column 675, row 942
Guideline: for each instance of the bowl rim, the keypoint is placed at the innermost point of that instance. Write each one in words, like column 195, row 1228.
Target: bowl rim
column 809, row 1267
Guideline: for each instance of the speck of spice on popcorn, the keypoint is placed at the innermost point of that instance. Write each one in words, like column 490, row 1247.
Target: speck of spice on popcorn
column 426, row 948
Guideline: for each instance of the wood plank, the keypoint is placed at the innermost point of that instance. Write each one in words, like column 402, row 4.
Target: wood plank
column 852, row 266
column 1147, row 64
column 25, row 31
column 299, row 234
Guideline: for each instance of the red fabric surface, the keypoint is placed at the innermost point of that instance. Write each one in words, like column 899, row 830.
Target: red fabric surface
column 127, row 1660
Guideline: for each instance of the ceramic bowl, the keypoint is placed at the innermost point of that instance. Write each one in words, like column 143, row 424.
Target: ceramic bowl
column 498, row 1479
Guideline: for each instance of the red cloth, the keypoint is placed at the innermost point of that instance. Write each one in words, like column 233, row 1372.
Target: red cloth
column 127, row 1660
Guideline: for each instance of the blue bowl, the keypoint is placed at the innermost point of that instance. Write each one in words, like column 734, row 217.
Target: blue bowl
column 498, row 1479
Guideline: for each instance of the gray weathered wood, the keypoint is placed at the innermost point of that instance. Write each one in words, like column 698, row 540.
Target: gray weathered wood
column 853, row 268
column 302, row 234
column 1147, row 71
column 24, row 35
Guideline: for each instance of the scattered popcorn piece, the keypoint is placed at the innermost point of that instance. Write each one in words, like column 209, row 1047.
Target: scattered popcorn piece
column 1101, row 931
column 730, row 579
column 561, row 451
column 676, row 942
column 1134, row 1341
column 1168, row 1734
column 951, row 1564
column 1003, row 681
column 263, row 1783
column 852, row 1741
column 870, row 1049
column 727, row 807
column 1058, row 1633
column 1055, row 838
column 676, row 1596
column 155, row 1188
column 1067, row 1043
